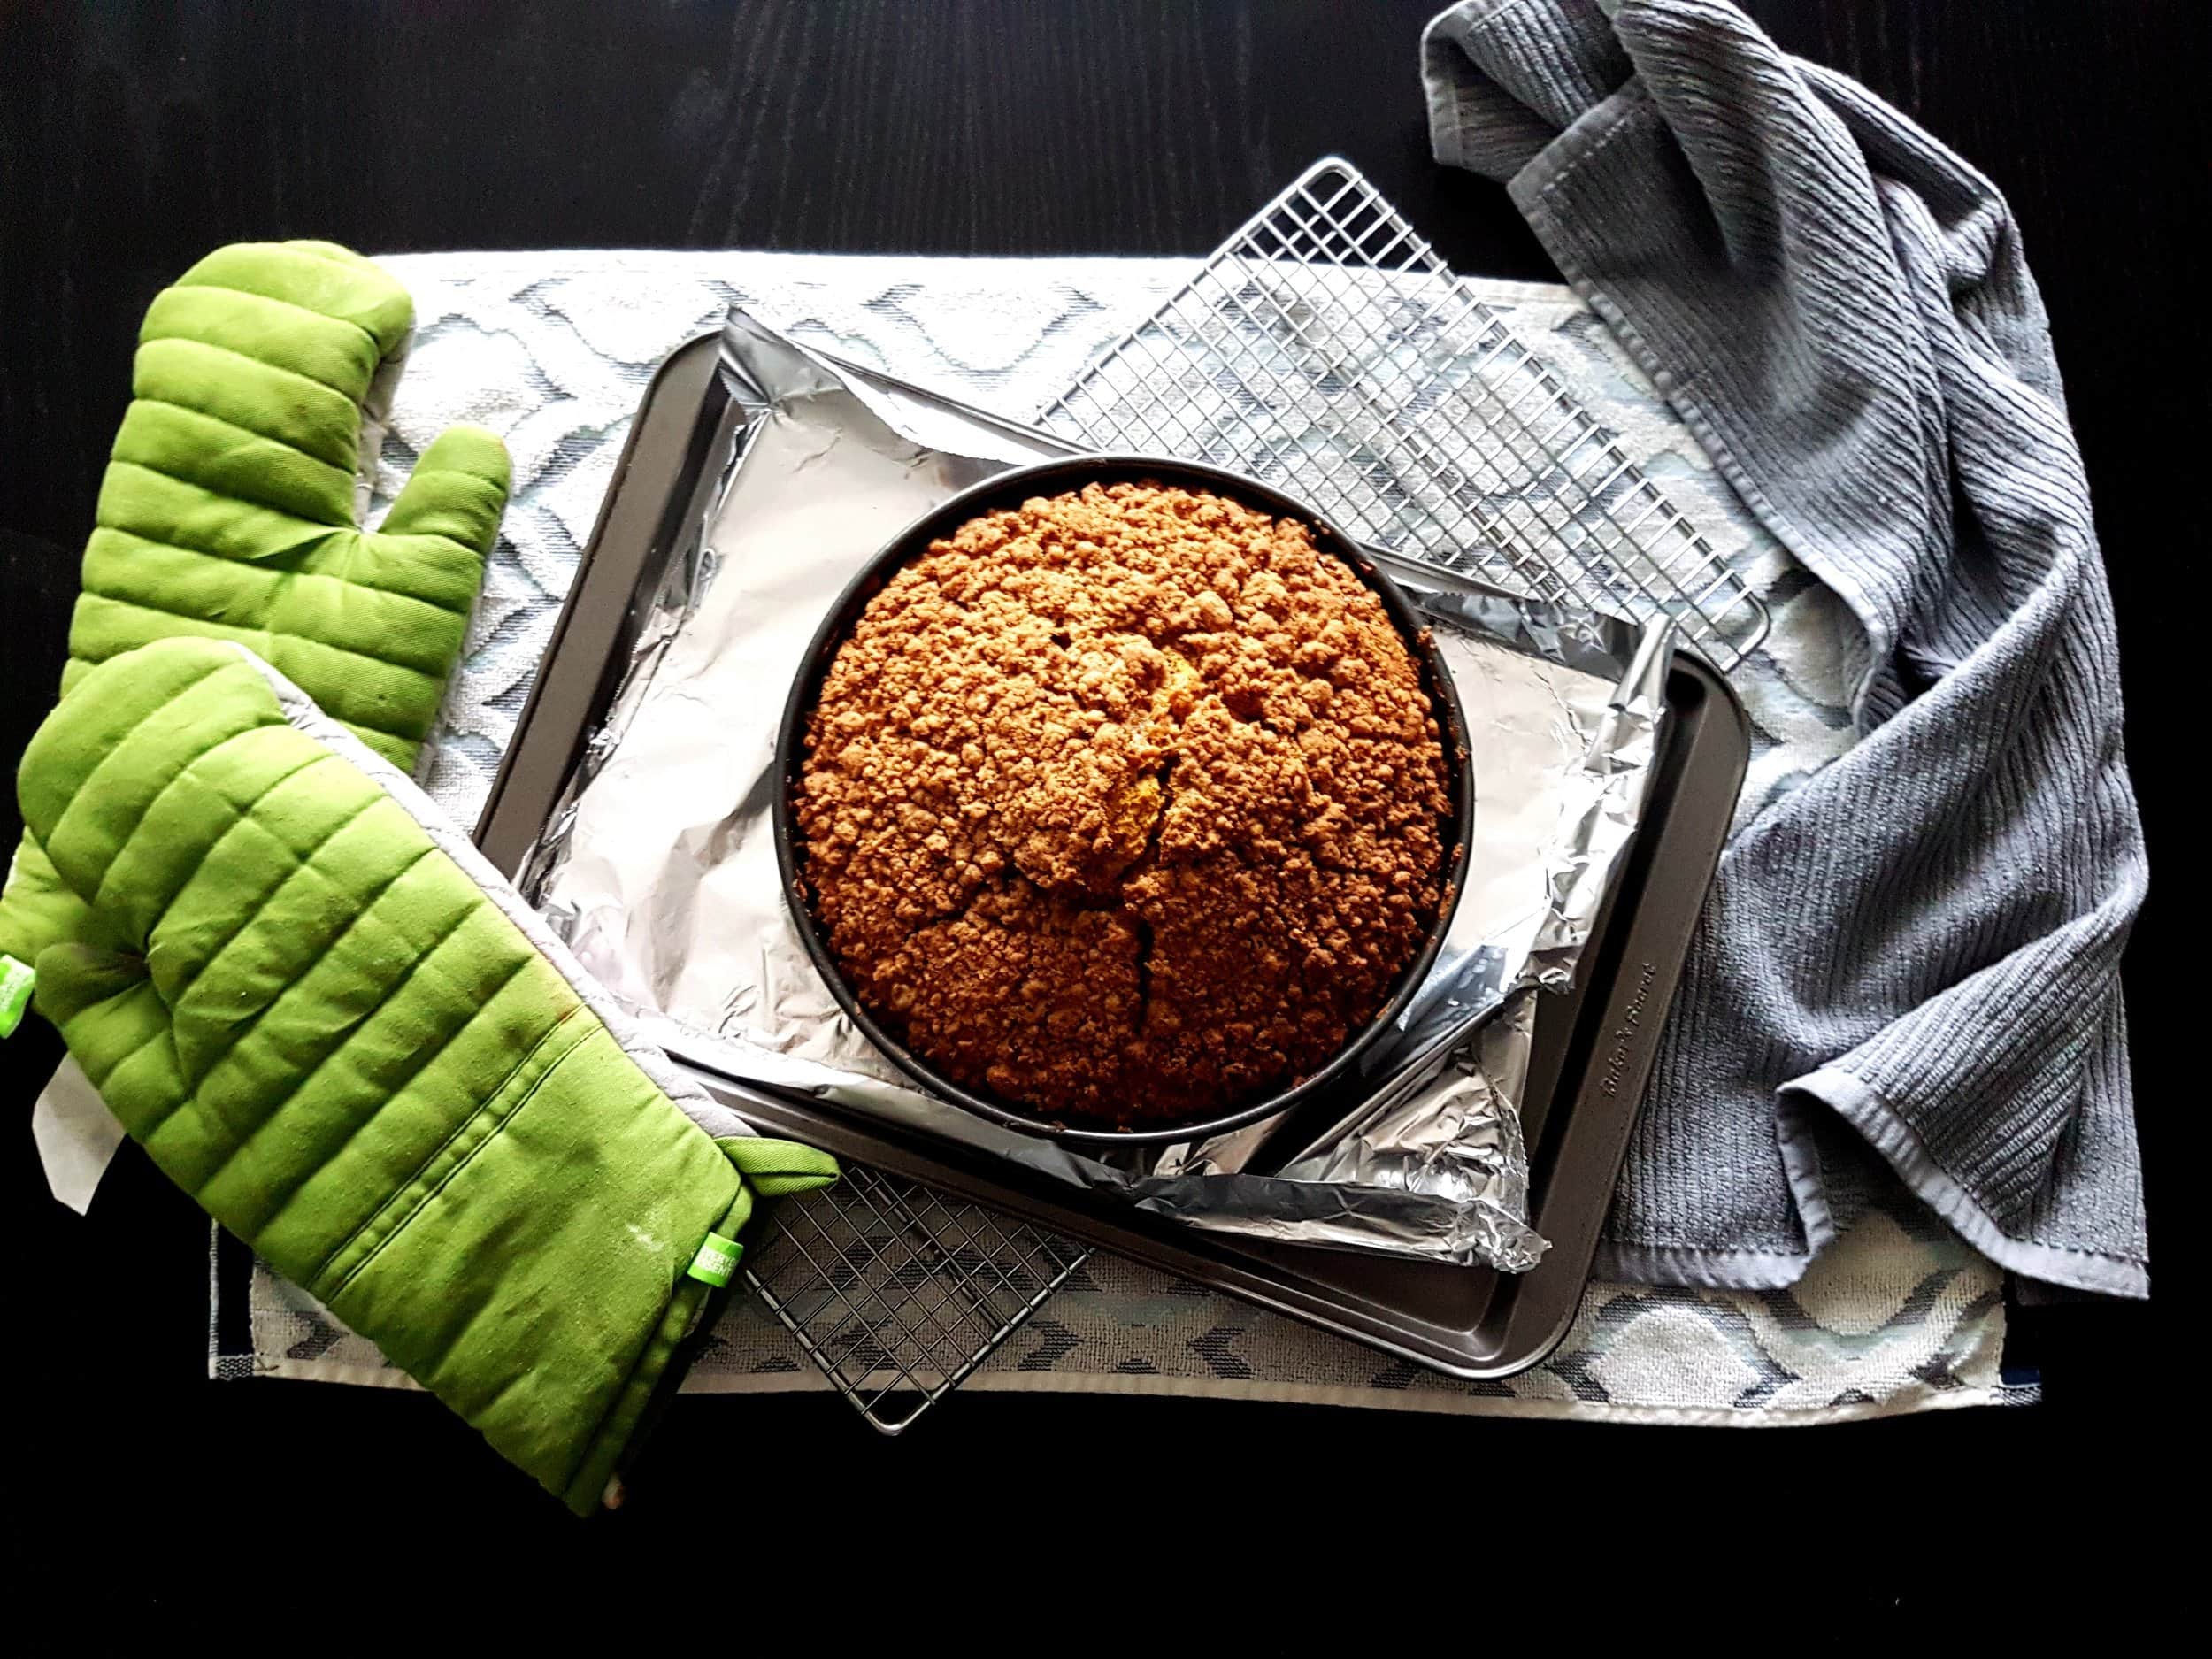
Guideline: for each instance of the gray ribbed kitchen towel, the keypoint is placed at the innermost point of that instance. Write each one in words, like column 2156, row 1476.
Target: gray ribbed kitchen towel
column 1921, row 943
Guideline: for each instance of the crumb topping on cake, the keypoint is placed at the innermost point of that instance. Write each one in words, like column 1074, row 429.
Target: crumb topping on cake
column 1126, row 804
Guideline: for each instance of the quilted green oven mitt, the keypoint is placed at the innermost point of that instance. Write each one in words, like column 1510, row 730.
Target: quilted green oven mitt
column 326, row 1017
column 227, row 512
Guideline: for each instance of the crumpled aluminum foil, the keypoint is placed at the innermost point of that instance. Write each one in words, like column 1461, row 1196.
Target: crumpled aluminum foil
column 659, row 869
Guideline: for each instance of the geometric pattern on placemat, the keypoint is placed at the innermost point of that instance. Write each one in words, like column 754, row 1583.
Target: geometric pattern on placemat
column 1898, row 1316
column 553, row 349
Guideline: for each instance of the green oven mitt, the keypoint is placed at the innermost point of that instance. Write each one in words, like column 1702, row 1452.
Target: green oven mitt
column 228, row 512
column 326, row 1017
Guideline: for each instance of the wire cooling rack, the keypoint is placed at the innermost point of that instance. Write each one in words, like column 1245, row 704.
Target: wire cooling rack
column 1325, row 348
column 897, row 1291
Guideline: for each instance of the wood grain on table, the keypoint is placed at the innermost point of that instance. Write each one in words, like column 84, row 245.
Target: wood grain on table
column 133, row 138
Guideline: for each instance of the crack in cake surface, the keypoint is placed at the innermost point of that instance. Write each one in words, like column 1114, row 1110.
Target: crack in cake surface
column 1127, row 803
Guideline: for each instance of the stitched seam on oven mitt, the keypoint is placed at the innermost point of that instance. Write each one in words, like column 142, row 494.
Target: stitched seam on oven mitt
column 227, row 511
column 312, row 1024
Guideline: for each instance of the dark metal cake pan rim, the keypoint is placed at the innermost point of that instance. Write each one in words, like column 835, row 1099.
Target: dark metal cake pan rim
column 1010, row 489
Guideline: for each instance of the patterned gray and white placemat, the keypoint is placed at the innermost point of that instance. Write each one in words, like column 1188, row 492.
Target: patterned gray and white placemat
column 554, row 350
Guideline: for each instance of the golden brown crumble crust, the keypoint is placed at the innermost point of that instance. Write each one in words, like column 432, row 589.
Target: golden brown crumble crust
column 1126, row 804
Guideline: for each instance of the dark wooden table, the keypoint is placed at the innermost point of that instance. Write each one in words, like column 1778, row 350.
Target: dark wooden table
column 133, row 139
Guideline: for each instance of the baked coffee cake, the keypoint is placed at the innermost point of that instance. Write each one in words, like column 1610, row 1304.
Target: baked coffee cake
column 1124, row 805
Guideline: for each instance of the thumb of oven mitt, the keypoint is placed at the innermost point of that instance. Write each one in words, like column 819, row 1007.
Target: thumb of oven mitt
column 227, row 512
column 326, row 1017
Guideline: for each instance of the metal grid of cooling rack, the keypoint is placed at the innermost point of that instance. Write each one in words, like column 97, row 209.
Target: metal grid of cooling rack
column 1327, row 349
column 897, row 1291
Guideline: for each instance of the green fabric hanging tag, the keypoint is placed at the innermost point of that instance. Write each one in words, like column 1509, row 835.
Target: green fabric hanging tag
column 717, row 1261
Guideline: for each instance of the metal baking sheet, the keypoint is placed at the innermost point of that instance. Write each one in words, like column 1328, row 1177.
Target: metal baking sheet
column 1594, row 1047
